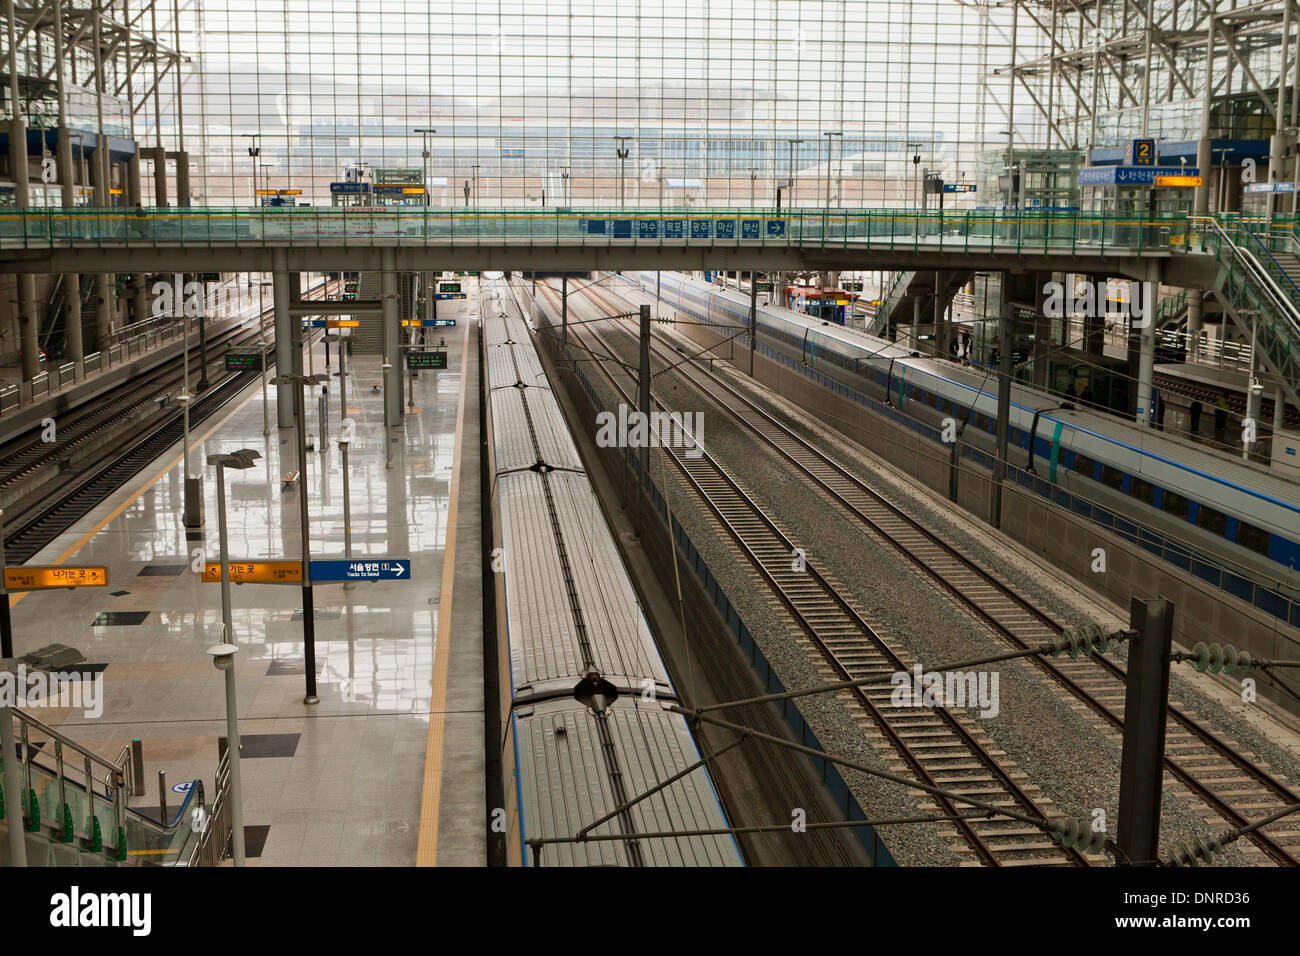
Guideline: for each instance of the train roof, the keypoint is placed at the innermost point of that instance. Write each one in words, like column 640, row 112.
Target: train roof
column 1220, row 467
column 559, row 795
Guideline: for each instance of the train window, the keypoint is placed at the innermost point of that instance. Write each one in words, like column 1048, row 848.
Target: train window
column 1212, row 520
column 1143, row 491
column 1112, row 477
column 1248, row 536
column 981, row 421
column 1176, row 505
column 932, row 399
column 945, row 406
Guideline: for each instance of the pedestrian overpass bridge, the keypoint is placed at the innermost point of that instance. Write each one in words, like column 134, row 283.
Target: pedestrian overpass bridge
column 1240, row 262
column 416, row 239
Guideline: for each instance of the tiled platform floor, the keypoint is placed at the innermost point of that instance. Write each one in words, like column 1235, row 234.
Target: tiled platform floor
column 334, row 783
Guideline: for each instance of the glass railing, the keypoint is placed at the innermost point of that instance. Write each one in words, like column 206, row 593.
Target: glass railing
column 962, row 231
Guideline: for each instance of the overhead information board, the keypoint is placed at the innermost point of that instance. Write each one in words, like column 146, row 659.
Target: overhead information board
column 335, row 323
column 243, row 362
column 39, row 577
column 256, row 572
column 429, row 360
column 370, row 569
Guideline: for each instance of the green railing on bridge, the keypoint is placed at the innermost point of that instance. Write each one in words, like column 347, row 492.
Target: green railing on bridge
column 969, row 231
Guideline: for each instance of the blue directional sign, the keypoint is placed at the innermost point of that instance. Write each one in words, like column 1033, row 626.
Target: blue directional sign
column 776, row 227
column 959, row 187
column 622, row 228
column 440, row 323
column 725, row 228
column 749, row 228
column 361, row 569
column 674, row 229
column 647, row 228
column 700, row 228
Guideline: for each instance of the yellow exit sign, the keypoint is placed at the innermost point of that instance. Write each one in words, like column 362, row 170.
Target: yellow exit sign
column 256, row 572
column 37, row 578
column 1179, row 180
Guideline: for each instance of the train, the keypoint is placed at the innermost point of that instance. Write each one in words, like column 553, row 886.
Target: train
column 584, row 690
column 1235, row 526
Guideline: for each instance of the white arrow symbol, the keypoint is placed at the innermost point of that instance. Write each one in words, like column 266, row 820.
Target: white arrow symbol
column 400, row 568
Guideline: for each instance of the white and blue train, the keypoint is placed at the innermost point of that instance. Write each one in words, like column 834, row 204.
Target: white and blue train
column 1233, row 525
column 584, row 690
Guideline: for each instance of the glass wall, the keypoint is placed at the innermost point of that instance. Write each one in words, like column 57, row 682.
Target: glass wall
column 549, row 102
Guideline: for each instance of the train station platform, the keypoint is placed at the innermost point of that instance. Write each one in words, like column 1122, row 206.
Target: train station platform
column 344, row 781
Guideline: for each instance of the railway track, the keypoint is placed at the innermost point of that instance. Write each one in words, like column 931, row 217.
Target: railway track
column 27, row 454
column 1231, row 785
column 937, row 745
column 31, row 531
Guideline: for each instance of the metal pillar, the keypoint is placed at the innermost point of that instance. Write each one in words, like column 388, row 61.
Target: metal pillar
column 1201, row 198
column 1004, row 398
column 284, row 337
column 1146, row 413
column 1195, row 307
column 182, row 177
column 392, row 339
column 753, row 319
column 1146, row 700
column 643, row 390
column 13, row 783
column 308, row 607
column 564, row 308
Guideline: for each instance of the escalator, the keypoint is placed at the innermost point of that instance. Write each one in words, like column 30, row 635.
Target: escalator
column 71, row 807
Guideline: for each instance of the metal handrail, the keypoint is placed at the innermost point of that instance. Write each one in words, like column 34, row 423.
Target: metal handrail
column 1288, row 309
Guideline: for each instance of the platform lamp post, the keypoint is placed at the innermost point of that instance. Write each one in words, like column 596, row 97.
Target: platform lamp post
column 427, row 156
column 299, row 384
column 622, row 152
column 830, row 151
column 223, row 659
column 254, row 151
column 223, row 654
column 790, row 195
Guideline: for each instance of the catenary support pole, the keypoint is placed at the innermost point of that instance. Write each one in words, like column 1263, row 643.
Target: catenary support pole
column 1146, row 702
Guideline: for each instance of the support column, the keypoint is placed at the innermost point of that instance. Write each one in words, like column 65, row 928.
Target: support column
column 564, row 308
column 392, row 338
column 104, row 304
column 643, row 390
column 1005, row 339
column 159, row 176
column 133, row 194
column 28, row 314
column 1195, row 311
column 1279, row 409
column 1145, row 413
column 1204, row 158
column 182, row 177
column 283, row 337
column 1254, row 404
column 71, row 280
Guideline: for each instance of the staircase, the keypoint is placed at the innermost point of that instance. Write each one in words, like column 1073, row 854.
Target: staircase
column 1262, row 298
column 58, row 297
column 896, row 301
column 70, row 806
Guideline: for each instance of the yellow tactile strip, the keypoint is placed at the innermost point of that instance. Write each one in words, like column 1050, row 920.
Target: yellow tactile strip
column 426, row 853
